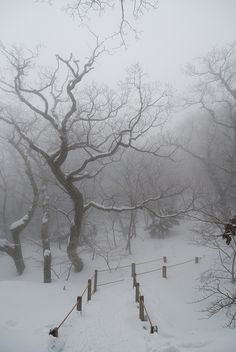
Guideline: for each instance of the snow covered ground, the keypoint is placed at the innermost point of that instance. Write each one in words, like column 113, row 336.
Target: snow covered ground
column 109, row 322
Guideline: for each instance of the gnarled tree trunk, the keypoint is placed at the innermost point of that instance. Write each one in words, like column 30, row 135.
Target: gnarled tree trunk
column 14, row 250
column 17, row 256
column 75, row 231
column 45, row 238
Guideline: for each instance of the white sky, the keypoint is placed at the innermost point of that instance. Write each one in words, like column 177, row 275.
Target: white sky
column 176, row 33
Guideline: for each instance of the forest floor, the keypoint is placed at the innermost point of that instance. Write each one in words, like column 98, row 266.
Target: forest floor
column 109, row 322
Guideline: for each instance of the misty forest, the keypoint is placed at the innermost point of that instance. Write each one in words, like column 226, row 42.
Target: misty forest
column 118, row 176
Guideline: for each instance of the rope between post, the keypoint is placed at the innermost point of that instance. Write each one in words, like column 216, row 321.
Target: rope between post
column 149, row 271
column 187, row 261
column 84, row 291
column 111, row 282
column 147, row 313
column 149, row 261
column 67, row 315
column 73, row 306
column 114, row 268
column 128, row 265
column 104, row 270
column 144, row 307
column 168, row 266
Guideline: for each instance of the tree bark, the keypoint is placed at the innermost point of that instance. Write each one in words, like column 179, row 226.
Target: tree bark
column 78, row 205
column 17, row 254
column 75, row 231
column 45, row 238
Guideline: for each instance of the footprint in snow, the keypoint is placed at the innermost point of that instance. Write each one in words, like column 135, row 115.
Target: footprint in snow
column 55, row 344
column 194, row 345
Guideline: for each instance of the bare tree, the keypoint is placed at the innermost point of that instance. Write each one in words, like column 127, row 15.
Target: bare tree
column 45, row 235
column 126, row 189
column 89, row 126
column 212, row 137
column 138, row 178
column 4, row 191
column 14, row 249
column 207, row 148
column 214, row 95
column 128, row 11
column 218, row 282
column 222, row 298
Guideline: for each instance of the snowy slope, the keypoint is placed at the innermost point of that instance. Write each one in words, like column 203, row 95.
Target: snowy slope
column 109, row 322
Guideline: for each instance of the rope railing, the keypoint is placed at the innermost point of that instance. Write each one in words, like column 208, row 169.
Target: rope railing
column 84, row 291
column 128, row 265
column 138, row 297
column 143, row 312
column 164, row 268
column 150, row 261
column 78, row 304
column 67, row 316
column 143, row 309
column 149, row 319
column 187, row 261
column 110, row 282
column 153, row 328
column 114, row 268
column 148, row 271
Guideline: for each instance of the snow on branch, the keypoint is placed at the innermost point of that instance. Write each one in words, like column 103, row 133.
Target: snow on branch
column 5, row 243
column 135, row 207
column 47, row 253
column 19, row 223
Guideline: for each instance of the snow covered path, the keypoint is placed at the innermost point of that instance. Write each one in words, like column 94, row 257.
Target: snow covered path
column 108, row 323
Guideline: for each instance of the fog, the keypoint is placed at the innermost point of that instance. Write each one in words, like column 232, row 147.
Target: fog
column 117, row 126
column 176, row 33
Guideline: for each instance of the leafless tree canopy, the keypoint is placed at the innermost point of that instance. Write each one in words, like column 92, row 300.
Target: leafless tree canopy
column 214, row 94
column 82, row 128
column 128, row 12
column 137, row 8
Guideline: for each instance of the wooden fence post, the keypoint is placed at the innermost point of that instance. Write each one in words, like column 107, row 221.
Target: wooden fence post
column 134, row 280
column 196, row 260
column 95, row 284
column 153, row 329
column 54, row 332
column 141, row 308
column 133, row 269
column 79, row 304
column 164, row 271
column 137, row 293
column 164, row 259
column 89, row 289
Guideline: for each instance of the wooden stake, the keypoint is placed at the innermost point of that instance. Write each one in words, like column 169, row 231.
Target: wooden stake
column 141, row 308
column 54, row 332
column 89, row 289
column 132, row 269
column 196, row 260
column 164, row 271
column 134, row 280
column 137, row 293
column 79, row 304
column 153, row 329
column 164, row 259
column 95, row 284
